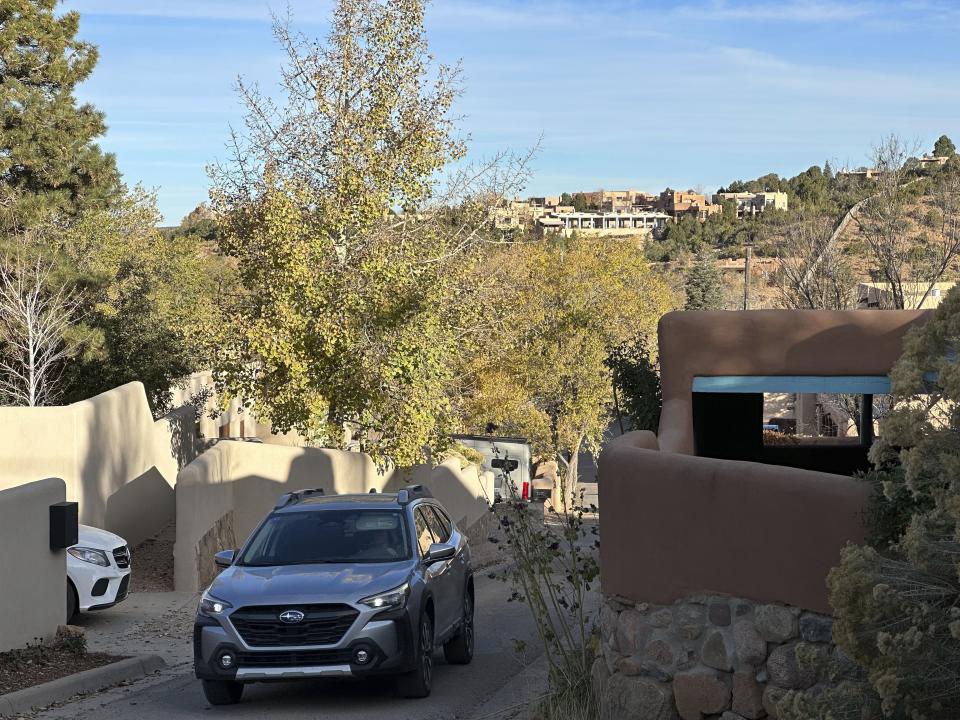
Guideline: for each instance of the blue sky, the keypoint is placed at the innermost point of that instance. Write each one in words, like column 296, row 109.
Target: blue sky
column 623, row 93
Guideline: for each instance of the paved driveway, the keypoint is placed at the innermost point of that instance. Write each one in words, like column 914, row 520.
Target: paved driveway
column 458, row 690
column 497, row 685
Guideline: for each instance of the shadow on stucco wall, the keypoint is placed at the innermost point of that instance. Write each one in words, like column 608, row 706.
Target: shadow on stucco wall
column 126, row 507
column 127, row 462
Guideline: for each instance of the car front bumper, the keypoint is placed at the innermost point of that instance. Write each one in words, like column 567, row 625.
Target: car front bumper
column 98, row 587
column 387, row 639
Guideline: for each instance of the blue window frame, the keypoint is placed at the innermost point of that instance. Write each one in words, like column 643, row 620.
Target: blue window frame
column 840, row 384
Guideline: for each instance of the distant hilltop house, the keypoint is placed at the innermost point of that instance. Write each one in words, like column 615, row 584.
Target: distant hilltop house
column 860, row 172
column 680, row 204
column 547, row 201
column 546, row 215
column 621, row 200
column 919, row 296
column 753, row 203
column 932, row 161
column 612, row 212
column 927, row 162
column 607, row 223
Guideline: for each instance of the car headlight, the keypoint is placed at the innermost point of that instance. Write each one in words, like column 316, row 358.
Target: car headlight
column 396, row 598
column 211, row 606
column 90, row 555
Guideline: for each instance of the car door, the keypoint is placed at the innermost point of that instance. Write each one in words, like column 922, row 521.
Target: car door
column 433, row 574
column 446, row 594
column 457, row 539
column 460, row 564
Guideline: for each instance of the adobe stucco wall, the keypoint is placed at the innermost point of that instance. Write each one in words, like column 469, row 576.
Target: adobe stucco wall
column 226, row 491
column 677, row 525
column 118, row 463
column 34, row 578
column 769, row 342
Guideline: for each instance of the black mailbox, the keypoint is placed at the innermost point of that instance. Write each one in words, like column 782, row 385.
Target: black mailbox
column 63, row 525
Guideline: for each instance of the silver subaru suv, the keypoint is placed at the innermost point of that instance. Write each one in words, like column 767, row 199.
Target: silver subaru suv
column 338, row 586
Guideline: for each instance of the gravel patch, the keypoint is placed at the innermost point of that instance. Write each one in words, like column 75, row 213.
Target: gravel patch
column 153, row 562
column 175, row 623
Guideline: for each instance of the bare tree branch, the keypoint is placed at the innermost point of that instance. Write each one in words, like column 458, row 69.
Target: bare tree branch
column 36, row 315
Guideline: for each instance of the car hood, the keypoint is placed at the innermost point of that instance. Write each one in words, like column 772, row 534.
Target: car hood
column 326, row 583
column 97, row 539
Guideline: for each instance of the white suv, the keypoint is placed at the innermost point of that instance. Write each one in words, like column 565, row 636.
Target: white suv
column 98, row 571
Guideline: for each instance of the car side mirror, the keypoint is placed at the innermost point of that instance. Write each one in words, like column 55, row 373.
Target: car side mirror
column 224, row 558
column 439, row 552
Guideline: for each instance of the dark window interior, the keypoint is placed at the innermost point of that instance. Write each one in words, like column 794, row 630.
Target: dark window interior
column 730, row 426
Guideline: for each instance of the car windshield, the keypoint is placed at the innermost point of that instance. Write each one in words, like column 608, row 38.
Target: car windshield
column 328, row 536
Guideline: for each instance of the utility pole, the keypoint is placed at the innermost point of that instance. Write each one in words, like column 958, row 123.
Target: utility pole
column 748, row 256
column 746, row 275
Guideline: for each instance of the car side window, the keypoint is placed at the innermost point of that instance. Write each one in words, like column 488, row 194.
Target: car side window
column 444, row 518
column 424, row 534
column 440, row 528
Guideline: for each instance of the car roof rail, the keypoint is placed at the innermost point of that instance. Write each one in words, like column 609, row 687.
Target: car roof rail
column 412, row 492
column 296, row 496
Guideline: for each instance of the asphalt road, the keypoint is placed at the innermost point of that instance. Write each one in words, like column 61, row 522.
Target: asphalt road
column 457, row 690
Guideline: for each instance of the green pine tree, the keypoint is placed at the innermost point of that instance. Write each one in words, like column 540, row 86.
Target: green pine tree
column 48, row 159
column 704, row 284
column 944, row 147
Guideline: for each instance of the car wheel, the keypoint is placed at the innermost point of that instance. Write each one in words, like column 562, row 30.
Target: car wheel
column 416, row 684
column 222, row 692
column 458, row 650
column 73, row 603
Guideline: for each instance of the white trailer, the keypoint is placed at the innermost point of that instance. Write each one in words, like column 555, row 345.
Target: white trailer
column 508, row 458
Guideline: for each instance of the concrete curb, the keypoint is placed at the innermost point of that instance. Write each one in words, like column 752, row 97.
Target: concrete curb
column 22, row 701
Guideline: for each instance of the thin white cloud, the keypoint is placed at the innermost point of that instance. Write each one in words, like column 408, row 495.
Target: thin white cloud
column 236, row 10
column 537, row 16
column 809, row 11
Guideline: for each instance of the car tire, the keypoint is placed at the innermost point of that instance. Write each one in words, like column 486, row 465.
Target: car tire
column 458, row 650
column 222, row 692
column 73, row 603
column 417, row 684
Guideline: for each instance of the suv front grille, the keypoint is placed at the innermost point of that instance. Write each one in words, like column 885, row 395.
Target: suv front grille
column 302, row 658
column 260, row 625
column 122, row 557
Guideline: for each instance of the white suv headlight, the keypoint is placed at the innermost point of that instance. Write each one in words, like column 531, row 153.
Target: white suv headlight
column 395, row 598
column 90, row 555
column 212, row 606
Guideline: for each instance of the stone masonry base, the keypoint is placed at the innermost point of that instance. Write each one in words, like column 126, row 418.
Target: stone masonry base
column 709, row 657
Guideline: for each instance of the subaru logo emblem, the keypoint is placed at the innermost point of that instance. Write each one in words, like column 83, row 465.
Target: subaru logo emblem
column 291, row 617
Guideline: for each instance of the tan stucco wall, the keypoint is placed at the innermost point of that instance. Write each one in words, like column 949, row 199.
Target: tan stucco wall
column 33, row 589
column 769, row 342
column 226, row 491
column 118, row 463
column 678, row 525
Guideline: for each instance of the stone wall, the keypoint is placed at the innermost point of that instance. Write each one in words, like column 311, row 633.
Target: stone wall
column 710, row 657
